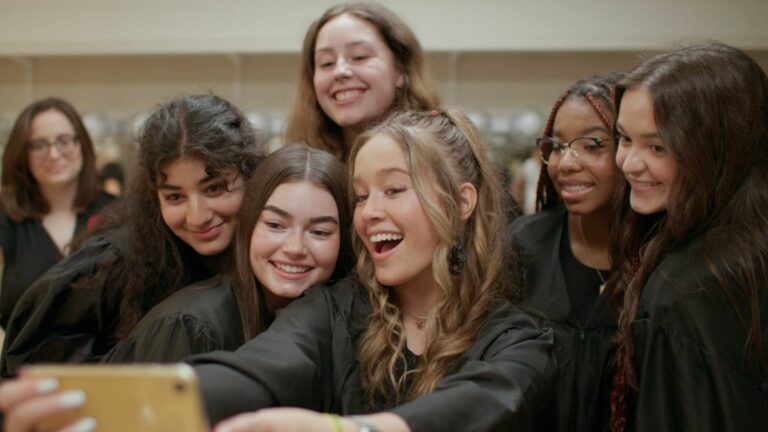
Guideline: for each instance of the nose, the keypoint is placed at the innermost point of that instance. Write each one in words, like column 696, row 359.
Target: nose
column 568, row 161
column 629, row 161
column 54, row 152
column 370, row 209
column 342, row 69
column 199, row 212
column 294, row 244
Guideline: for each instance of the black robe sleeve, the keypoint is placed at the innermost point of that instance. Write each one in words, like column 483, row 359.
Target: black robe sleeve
column 55, row 323
column 497, row 386
column 307, row 358
column 197, row 319
column 284, row 365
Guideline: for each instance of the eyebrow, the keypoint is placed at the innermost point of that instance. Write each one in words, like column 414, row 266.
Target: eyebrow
column 646, row 135
column 586, row 132
column 202, row 181
column 349, row 45
column 314, row 220
column 385, row 172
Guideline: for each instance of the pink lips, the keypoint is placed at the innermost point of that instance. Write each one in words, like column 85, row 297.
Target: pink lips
column 209, row 234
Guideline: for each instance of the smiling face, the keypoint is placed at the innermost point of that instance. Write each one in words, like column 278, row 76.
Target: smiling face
column 295, row 243
column 54, row 169
column 198, row 208
column 355, row 77
column 583, row 187
column 645, row 160
column 389, row 218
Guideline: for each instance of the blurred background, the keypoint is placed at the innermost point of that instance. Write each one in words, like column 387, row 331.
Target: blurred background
column 504, row 62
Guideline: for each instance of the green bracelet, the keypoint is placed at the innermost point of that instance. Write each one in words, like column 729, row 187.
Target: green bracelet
column 335, row 422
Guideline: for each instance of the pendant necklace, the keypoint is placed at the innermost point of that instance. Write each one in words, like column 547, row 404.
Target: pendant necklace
column 592, row 258
column 421, row 321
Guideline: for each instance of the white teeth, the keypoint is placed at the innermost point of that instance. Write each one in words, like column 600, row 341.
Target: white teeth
column 385, row 237
column 576, row 188
column 291, row 268
column 347, row 94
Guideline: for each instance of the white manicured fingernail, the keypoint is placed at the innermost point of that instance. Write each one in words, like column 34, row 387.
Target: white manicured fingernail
column 72, row 399
column 87, row 424
column 47, row 385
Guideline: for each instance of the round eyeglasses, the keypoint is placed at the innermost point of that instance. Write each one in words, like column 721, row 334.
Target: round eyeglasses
column 64, row 144
column 584, row 150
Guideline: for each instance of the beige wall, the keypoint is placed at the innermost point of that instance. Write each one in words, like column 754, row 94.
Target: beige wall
column 119, row 59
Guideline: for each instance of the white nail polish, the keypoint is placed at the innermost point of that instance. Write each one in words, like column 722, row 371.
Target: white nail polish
column 72, row 399
column 87, row 424
column 47, row 385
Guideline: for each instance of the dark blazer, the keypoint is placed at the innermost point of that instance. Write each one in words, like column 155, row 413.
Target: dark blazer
column 308, row 358
column 585, row 357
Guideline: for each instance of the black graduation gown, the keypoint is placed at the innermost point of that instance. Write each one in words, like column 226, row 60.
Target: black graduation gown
column 585, row 356
column 693, row 373
column 307, row 358
column 197, row 319
column 29, row 252
column 54, row 323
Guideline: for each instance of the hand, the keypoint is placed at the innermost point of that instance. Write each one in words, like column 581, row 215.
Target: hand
column 277, row 419
column 29, row 402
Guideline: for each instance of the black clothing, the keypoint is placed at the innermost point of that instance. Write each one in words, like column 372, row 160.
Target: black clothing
column 71, row 313
column 693, row 371
column 200, row 318
column 308, row 358
column 580, row 395
column 30, row 251
column 583, row 282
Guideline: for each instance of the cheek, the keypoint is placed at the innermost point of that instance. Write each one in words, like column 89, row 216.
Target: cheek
column 172, row 215
column 552, row 172
column 326, row 254
column 621, row 155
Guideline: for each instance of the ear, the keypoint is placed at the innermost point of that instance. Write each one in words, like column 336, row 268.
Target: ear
column 467, row 200
column 400, row 81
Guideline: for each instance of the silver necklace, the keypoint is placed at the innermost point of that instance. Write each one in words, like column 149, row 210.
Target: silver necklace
column 592, row 258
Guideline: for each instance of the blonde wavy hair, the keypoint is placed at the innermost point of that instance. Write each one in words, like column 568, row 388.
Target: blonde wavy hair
column 443, row 150
column 308, row 123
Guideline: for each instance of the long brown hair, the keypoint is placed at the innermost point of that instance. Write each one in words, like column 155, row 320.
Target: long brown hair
column 293, row 163
column 308, row 123
column 157, row 263
column 710, row 105
column 20, row 195
column 443, row 150
column 598, row 91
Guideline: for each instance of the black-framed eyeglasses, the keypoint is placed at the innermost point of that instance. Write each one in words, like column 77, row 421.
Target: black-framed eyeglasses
column 64, row 144
column 584, row 149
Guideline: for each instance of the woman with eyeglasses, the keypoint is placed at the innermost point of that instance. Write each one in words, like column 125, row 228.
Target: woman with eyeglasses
column 49, row 191
column 563, row 250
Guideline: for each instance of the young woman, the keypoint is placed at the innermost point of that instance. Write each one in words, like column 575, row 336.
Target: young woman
column 359, row 61
column 174, row 227
column 292, row 233
column 564, row 249
column 422, row 330
column 49, row 191
column 693, row 138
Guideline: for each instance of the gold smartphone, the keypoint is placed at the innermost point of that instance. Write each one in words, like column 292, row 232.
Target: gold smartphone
column 135, row 398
